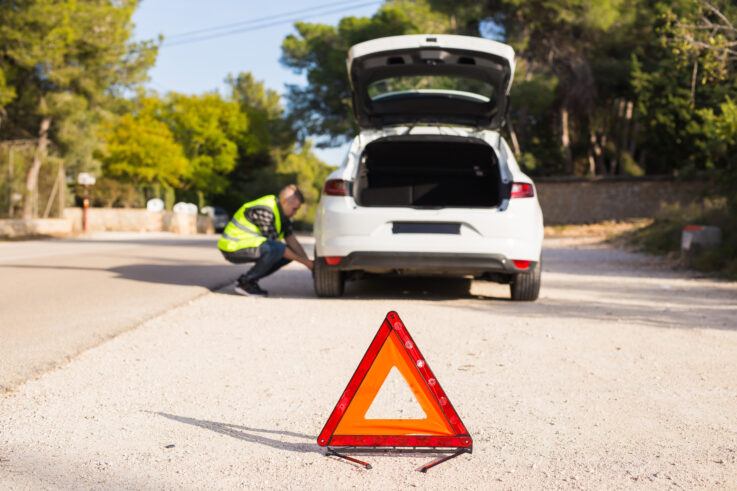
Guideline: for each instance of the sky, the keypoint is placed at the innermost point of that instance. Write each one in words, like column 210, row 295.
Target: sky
column 190, row 63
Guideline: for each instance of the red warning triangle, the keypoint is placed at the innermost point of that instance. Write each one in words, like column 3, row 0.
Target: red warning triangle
column 393, row 347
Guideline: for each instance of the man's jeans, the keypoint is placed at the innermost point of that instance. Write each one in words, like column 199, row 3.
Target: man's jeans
column 269, row 257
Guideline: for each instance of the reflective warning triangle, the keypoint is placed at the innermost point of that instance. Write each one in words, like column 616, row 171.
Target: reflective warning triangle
column 392, row 347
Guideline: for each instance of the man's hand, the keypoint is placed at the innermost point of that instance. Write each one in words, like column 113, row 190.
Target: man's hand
column 295, row 252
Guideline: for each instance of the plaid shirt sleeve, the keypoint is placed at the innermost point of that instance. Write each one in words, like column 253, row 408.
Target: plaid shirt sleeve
column 264, row 219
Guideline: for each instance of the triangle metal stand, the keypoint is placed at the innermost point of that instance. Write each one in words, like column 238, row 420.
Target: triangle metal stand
column 455, row 452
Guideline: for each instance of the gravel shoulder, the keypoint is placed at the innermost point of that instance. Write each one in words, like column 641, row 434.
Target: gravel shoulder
column 622, row 375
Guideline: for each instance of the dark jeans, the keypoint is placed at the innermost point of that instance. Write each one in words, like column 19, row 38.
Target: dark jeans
column 268, row 257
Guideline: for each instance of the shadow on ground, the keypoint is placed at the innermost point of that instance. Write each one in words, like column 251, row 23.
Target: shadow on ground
column 176, row 241
column 211, row 276
column 248, row 434
column 297, row 283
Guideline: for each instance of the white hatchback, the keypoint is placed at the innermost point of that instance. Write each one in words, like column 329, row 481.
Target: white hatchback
column 429, row 187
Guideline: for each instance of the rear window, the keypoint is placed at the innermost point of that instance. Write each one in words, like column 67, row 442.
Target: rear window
column 467, row 88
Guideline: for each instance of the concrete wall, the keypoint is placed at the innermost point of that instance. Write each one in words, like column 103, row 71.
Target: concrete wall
column 579, row 200
column 14, row 229
column 109, row 219
column 139, row 220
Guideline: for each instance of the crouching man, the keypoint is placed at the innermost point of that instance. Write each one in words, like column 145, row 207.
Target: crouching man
column 255, row 235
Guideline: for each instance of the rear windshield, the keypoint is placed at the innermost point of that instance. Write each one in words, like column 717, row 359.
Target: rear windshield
column 468, row 88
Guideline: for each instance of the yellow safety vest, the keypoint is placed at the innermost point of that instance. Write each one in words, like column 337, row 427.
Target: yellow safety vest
column 240, row 233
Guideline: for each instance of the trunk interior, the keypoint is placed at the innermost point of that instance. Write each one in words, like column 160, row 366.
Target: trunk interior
column 428, row 172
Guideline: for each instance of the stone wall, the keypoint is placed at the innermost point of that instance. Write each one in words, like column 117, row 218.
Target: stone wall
column 108, row 219
column 139, row 220
column 580, row 200
column 15, row 229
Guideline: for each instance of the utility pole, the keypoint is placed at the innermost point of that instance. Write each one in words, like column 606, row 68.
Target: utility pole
column 85, row 180
column 62, row 189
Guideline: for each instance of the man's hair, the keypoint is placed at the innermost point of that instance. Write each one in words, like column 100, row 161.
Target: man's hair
column 291, row 190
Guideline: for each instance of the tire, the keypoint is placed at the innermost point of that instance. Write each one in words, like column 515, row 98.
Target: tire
column 526, row 286
column 329, row 282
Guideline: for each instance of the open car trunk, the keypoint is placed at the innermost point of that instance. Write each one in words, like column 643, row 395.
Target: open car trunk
column 428, row 172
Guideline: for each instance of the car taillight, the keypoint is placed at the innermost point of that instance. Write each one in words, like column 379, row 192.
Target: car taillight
column 333, row 260
column 522, row 190
column 521, row 263
column 336, row 187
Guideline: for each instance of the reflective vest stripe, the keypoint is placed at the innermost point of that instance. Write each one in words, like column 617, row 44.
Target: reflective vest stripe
column 230, row 237
column 244, row 228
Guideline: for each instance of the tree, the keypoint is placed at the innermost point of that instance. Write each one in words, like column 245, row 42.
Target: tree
column 267, row 159
column 703, row 41
column 210, row 130
column 62, row 59
column 270, row 132
column 323, row 107
column 308, row 172
column 575, row 51
column 144, row 151
column 7, row 94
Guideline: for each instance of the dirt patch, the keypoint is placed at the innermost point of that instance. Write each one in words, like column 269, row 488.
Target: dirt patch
column 602, row 230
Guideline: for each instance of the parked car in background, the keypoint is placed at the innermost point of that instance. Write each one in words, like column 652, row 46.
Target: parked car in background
column 429, row 186
column 220, row 217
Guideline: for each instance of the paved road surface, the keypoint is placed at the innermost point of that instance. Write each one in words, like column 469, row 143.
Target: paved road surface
column 59, row 297
column 622, row 375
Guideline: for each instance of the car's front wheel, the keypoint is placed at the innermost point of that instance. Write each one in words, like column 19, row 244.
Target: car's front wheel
column 329, row 282
column 526, row 286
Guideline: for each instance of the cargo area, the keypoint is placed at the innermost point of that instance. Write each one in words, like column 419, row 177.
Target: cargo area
column 428, row 172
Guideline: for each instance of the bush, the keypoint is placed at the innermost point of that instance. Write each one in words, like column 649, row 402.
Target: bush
column 663, row 235
column 108, row 192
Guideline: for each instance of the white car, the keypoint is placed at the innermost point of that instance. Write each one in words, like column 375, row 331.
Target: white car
column 219, row 217
column 429, row 187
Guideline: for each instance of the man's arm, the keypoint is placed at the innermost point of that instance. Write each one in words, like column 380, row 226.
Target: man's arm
column 295, row 252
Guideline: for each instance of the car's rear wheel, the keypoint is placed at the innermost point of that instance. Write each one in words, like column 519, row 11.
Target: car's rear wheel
column 329, row 282
column 526, row 286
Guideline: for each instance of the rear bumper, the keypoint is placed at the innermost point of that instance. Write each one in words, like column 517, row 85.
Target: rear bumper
column 427, row 263
column 342, row 228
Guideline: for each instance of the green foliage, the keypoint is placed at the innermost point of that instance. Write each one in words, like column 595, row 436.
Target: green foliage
column 686, row 83
column 309, row 173
column 143, row 150
column 7, row 94
column 60, row 65
column 602, row 87
column 426, row 17
column 533, row 93
column 323, row 107
column 663, row 235
column 14, row 159
column 719, row 143
column 269, row 139
column 209, row 129
column 266, row 157
column 109, row 192
column 269, row 132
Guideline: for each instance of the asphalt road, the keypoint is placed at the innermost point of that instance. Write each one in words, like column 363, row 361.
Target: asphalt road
column 621, row 375
column 59, row 297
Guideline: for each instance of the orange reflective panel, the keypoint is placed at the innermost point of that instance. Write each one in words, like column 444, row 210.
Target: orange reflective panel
column 393, row 354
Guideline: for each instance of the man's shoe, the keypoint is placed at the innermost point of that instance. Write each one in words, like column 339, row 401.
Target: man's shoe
column 250, row 289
